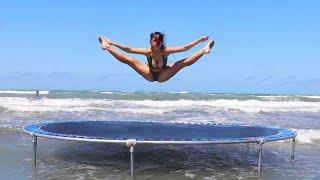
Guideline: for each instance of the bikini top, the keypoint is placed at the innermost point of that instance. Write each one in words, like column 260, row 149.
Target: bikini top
column 164, row 59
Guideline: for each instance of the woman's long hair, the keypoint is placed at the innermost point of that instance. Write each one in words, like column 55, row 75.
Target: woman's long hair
column 159, row 38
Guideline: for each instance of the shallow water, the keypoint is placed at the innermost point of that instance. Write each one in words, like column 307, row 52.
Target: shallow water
column 71, row 160
column 81, row 160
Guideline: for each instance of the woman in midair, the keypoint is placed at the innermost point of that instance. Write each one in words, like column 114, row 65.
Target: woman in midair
column 157, row 55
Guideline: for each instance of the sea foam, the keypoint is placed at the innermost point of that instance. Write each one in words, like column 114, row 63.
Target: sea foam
column 307, row 136
column 147, row 106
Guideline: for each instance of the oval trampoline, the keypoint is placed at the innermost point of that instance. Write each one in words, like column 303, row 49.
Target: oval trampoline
column 134, row 133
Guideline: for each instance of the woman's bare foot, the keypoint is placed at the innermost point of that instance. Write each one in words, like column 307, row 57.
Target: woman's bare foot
column 108, row 41
column 104, row 43
column 207, row 48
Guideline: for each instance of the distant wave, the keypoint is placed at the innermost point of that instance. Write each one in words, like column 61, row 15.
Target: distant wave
column 287, row 97
column 180, row 92
column 22, row 92
column 274, row 96
column 313, row 97
column 106, row 92
column 249, row 106
column 155, row 107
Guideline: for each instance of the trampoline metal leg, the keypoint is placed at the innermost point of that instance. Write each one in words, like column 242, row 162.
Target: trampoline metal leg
column 261, row 142
column 131, row 161
column 131, row 143
column 293, row 148
column 260, row 156
column 34, row 141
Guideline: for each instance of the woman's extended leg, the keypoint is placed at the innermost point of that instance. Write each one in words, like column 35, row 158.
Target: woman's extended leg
column 137, row 65
column 177, row 66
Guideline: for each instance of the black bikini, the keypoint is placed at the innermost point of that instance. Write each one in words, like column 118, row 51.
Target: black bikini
column 155, row 74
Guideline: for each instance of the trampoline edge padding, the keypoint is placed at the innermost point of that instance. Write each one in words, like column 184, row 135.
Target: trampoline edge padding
column 157, row 132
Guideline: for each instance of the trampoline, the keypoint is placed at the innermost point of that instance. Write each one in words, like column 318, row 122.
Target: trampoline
column 134, row 133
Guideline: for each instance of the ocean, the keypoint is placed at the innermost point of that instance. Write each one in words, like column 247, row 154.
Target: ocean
column 80, row 160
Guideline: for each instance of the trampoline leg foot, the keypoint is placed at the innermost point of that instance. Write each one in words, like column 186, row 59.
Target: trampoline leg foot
column 293, row 148
column 34, row 141
column 131, row 161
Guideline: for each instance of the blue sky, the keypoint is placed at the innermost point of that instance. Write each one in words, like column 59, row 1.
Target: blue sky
column 261, row 46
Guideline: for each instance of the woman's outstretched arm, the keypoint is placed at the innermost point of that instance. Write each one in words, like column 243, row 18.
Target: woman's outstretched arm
column 143, row 51
column 170, row 50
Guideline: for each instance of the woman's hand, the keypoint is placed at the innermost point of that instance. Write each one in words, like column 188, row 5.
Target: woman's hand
column 204, row 38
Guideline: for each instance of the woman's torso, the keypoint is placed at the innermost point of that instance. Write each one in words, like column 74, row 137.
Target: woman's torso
column 157, row 60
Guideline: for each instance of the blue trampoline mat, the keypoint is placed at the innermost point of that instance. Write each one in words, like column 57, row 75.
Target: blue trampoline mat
column 154, row 132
